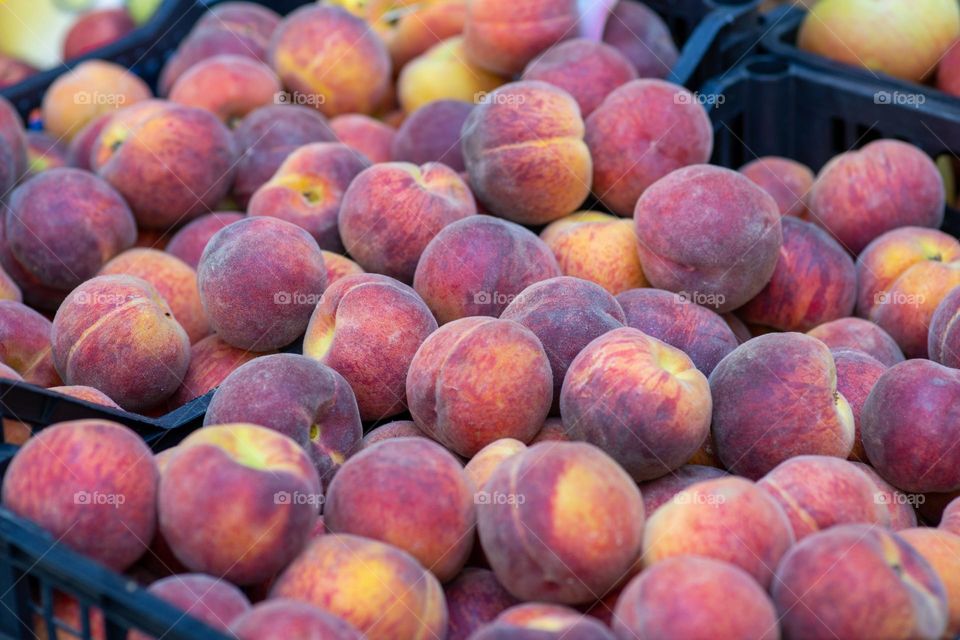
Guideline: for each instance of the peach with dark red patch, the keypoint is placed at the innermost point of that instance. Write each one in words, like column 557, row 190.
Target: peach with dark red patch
column 391, row 430
column 474, row 599
column 643, row 37
column 857, row 372
column 363, row 134
column 788, row 181
column 211, row 361
column 943, row 339
column 25, row 344
column 339, row 266
column 432, row 134
column 229, row 86
column 214, row 602
column 280, row 618
column 190, row 240
column 859, row 335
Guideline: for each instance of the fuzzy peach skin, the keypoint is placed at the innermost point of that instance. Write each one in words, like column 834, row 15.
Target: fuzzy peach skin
column 256, row 22
column 474, row 599
column 88, row 90
column 365, row 135
column 422, row 25
column 87, row 394
column 211, row 360
column 96, row 29
column 308, row 188
column 943, row 339
column 534, row 620
column 215, row 602
column 379, row 589
column 688, row 597
column 639, row 399
column 190, row 240
column 390, row 430
column 815, row 281
column 12, row 133
column 643, row 37
column 788, row 181
column 526, row 514
column 697, row 331
column 951, row 517
column 91, row 484
column 392, row 211
column 709, row 233
column 259, row 280
column 61, row 227
column 432, row 133
column 819, row 492
column 659, row 492
column 80, row 148
column 44, row 152
column 477, row 380
column 909, row 424
column 478, row 265
column 280, row 618
column 858, row 581
column 174, row 280
column 899, row 505
column 503, row 36
column 775, row 397
column 729, row 519
column 25, row 344
column 333, row 57
column 8, row 288
column 267, row 136
column 434, row 522
column 170, row 162
column 859, row 335
column 553, row 431
column 857, row 372
column 117, row 334
column 641, row 132
column 229, row 86
column 941, row 549
column 258, row 534
column 524, row 150
column 300, row 398
column 565, row 314
column 948, row 71
column 482, row 465
column 443, row 72
column 368, row 328
column 859, row 195
column 339, row 266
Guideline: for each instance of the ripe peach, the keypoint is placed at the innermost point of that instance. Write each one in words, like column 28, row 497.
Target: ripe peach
column 264, row 528
column 365, row 135
column 443, row 72
column 948, row 71
column 81, row 146
column 392, row 211
column 906, row 186
column 526, row 515
column 96, row 29
column 280, row 618
column 44, row 152
column 857, row 372
column 339, row 266
column 697, row 331
column 951, row 517
column 432, row 134
column 476, row 266
column 421, row 25
column 788, row 181
column 720, row 248
column 477, row 380
column 87, row 394
column 8, row 288
column 255, row 21
column 941, row 549
column 482, row 465
column 543, row 622
column 12, row 133
column 379, row 589
column 307, row 190
column 13, row 71
column 368, row 328
column 643, row 37
column 659, row 492
column 229, row 86
column 474, row 599
column 211, row 360
column 190, row 240
column 553, row 431
column 91, row 484
column 798, row 380
column 390, row 430
column 640, row 400
column 117, row 334
column 943, row 340
column 255, row 299
column 212, row 601
column 859, row 335
column 899, row 505
column 25, row 344
column 298, row 397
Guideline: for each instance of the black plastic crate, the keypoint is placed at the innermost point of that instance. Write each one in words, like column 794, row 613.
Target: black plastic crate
column 770, row 105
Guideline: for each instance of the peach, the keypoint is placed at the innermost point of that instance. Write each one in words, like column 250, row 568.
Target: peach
column 436, row 520
column 12, row 133
column 719, row 247
column 951, row 517
column 211, row 361
column 280, row 618
column 365, row 135
column 96, row 29
column 432, row 134
column 905, row 186
column 44, row 152
column 553, row 431
column 422, row 25
column 392, row 211
column 259, row 532
column 87, row 394
column 543, row 622
column 443, row 72
column 88, row 90
column 526, row 515
column 857, row 372
column 503, row 36
column 255, row 299
column 254, row 20
column 477, row 380
column 943, row 341
column 859, row 335
column 229, row 86
column 697, row 331
column 267, row 136
column 899, row 505
column 729, row 519
column 216, row 603
column 788, row 181
column 682, row 598
column 858, row 581
column 948, row 71
column 174, row 280
column 476, row 266
column 190, row 240
column 643, row 37
column 91, row 484
column 474, row 599
column 8, row 373
column 339, row 266
column 641, row 132
column 908, row 427
column 331, row 57
column 368, row 328
column 659, row 492
column 482, row 465
column 61, row 227
column 524, row 150
column 942, row 550
column 81, row 146
column 815, row 281
column 13, row 71
column 798, row 381
column 379, row 589
column 25, row 344
column 391, row 430
column 298, row 397
column 639, row 399
column 308, row 188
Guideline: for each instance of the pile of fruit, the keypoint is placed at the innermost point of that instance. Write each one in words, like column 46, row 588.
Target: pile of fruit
column 449, row 401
